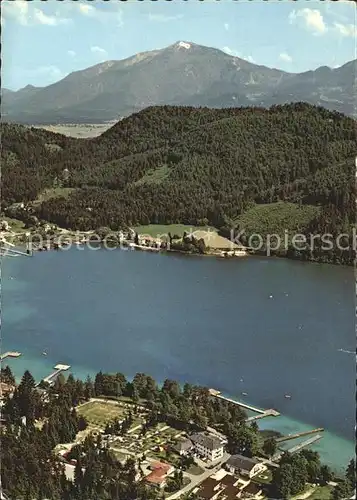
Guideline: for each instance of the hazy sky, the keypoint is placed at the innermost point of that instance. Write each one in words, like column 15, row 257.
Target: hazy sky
column 44, row 41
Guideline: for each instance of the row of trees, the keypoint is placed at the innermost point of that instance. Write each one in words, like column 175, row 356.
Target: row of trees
column 298, row 469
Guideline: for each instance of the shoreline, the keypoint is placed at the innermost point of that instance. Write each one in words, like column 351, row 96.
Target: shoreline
column 128, row 244
column 283, row 424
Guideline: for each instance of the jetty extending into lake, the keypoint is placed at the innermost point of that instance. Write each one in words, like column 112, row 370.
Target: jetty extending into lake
column 10, row 354
column 50, row 379
column 305, row 443
column 262, row 413
column 299, row 434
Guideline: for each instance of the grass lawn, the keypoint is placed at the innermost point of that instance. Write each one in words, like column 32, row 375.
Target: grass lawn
column 47, row 194
column 275, row 218
column 163, row 229
column 154, row 176
column 263, row 478
column 195, row 470
column 99, row 413
column 322, row 493
column 15, row 225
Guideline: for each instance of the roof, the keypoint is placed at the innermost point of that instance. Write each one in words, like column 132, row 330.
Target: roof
column 183, row 445
column 223, row 487
column 207, row 440
column 207, row 488
column 155, row 478
column 231, row 492
column 158, row 474
column 253, row 489
column 160, row 467
column 242, row 463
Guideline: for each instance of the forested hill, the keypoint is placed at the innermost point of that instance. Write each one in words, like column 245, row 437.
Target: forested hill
column 182, row 164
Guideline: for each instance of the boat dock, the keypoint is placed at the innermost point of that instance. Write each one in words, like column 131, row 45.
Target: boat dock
column 266, row 413
column 50, row 379
column 10, row 354
column 299, row 434
column 262, row 413
column 305, row 443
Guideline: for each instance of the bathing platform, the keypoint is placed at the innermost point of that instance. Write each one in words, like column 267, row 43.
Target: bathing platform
column 50, row 379
column 299, row 434
column 262, row 413
column 305, row 443
column 10, row 354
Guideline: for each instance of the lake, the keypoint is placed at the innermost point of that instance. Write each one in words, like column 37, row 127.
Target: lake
column 264, row 326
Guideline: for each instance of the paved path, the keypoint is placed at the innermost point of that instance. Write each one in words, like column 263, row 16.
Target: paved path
column 196, row 480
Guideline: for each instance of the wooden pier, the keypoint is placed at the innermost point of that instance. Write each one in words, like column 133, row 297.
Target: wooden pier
column 266, row 413
column 10, row 354
column 50, row 379
column 262, row 413
column 305, row 443
column 299, row 434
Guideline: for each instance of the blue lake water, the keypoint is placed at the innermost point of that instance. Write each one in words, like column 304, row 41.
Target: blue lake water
column 201, row 320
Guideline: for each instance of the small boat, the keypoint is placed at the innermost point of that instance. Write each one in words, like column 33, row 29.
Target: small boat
column 44, row 353
column 244, row 394
column 287, row 396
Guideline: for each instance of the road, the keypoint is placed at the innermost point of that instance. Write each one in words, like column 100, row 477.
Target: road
column 196, row 480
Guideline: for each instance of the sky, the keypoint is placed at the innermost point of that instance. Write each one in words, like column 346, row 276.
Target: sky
column 43, row 41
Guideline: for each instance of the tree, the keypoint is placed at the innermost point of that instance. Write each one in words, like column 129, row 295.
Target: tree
column 254, row 426
column 326, row 474
column 351, row 474
column 270, row 446
column 7, row 376
column 342, row 491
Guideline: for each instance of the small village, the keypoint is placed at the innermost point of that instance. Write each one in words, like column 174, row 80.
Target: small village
column 197, row 462
column 178, row 464
column 37, row 235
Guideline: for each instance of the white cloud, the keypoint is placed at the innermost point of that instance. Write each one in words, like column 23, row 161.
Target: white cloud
column 311, row 19
column 86, row 9
column 102, row 53
column 285, row 57
column 249, row 59
column 26, row 14
column 161, row 18
column 226, row 26
column 101, row 15
column 43, row 75
column 71, row 53
column 230, row 51
column 119, row 19
column 41, row 18
column 19, row 11
column 345, row 29
column 235, row 53
column 51, row 71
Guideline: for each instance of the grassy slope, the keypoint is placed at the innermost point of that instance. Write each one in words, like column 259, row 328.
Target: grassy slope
column 15, row 224
column 50, row 193
column 155, row 176
column 275, row 218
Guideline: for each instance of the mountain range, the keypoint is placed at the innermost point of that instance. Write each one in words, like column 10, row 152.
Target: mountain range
column 183, row 74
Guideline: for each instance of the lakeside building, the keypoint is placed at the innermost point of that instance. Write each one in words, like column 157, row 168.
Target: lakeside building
column 205, row 444
column 225, row 486
column 249, row 467
column 159, row 473
column 208, row 445
column 183, row 447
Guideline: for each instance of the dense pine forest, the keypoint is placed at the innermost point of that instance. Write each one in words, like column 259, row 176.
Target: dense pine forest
column 188, row 165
